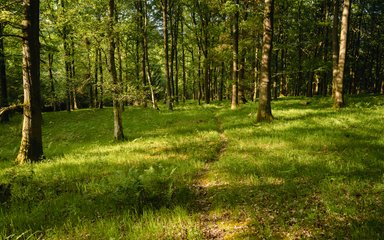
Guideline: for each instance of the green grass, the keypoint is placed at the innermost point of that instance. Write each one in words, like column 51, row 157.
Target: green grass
column 314, row 172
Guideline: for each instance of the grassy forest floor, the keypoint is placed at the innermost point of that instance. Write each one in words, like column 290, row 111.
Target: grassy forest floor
column 201, row 172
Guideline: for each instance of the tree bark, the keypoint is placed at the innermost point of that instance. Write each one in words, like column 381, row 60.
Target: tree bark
column 183, row 59
column 338, row 82
column 176, row 53
column 31, row 147
column 3, row 78
column 116, row 91
column 73, row 76
column 166, row 57
column 67, row 62
column 264, row 112
column 88, row 77
column 95, row 87
column 235, row 61
column 51, row 81
column 146, row 54
column 335, row 44
column 101, row 101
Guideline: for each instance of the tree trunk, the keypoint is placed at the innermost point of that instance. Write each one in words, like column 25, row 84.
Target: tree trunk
column 256, row 76
column 146, row 54
column 242, row 61
column 73, row 76
column 183, row 58
column 335, row 44
column 338, row 82
column 101, row 101
column 67, row 62
column 95, row 87
column 235, row 61
column 67, row 72
column 264, row 112
column 116, row 91
column 176, row 53
column 51, row 81
column 88, row 75
column 31, row 147
column 3, row 78
column 166, row 57
column 221, row 83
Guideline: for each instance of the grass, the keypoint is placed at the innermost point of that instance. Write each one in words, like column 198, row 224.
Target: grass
column 313, row 173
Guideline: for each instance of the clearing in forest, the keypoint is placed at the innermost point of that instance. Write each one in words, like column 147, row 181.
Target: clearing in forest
column 201, row 172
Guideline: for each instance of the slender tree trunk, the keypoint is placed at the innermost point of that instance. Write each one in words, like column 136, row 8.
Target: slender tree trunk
column 67, row 63
column 166, row 51
column 206, row 78
column 31, row 147
column 221, row 83
column 335, row 44
column 300, row 76
column 183, row 59
column 3, row 78
column 176, row 53
column 200, row 93
column 67, row 73
column 242, row 61
column 264, row 112
column 95, row 87
column 116, row 91
column 284, row 83
column 142, row 28
column 88, row 75
column 235, row 62
column 338, row 82
column 146, row 54
column 101, row 100
column 120, row 62
column 256, row 76
column 172, row 50
column 51, row 81
column 73, row 76
column 276, row 78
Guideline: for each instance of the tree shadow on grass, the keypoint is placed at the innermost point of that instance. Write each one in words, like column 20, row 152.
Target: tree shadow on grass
column 305, row 182
column 90, row 191
column 303, row 200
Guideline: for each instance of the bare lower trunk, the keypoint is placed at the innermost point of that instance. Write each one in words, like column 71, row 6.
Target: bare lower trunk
column 338, row 82
column 117, row 107
column 264, row 112
column 235, row 62
column 335, row 45
column 166, row 62
column 31, row 147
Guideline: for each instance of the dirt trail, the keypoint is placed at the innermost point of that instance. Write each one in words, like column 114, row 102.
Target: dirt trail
column 208, row 223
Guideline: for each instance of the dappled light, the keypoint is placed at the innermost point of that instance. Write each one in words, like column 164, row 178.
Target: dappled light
column 202, row 172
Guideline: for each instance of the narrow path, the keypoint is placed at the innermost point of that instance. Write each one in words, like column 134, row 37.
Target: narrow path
column 208, row 223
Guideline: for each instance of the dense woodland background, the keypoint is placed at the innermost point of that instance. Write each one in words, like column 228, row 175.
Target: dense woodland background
column 74, row 37
column 209, row 169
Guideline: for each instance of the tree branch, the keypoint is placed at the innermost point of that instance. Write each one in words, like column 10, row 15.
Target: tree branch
column 10, row 108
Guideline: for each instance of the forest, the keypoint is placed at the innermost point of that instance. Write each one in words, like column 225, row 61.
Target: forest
column 191, row 119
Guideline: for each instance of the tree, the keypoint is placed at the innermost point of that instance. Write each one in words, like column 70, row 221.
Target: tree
column 264, row 112
column 338, row 81
column 235, row 60
column 31, row 148
column 335, row 43
column 164, row 6
column 3, row 77
column 117, row 107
